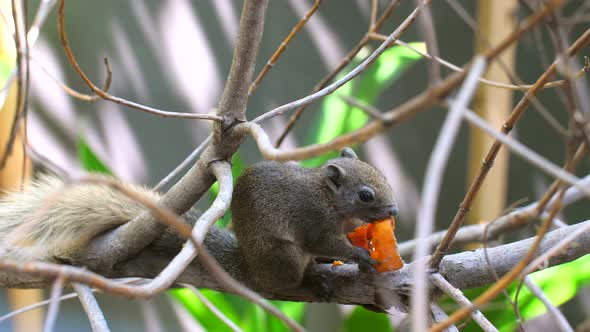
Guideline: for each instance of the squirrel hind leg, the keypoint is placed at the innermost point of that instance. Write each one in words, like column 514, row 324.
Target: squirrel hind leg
column 277, row 266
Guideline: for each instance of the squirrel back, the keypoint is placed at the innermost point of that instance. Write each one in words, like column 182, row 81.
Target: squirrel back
column 285, row 215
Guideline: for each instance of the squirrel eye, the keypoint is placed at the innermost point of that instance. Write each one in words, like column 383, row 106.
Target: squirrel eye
column 366, row 196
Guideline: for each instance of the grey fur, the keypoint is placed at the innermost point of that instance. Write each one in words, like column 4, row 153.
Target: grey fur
column 284, row 215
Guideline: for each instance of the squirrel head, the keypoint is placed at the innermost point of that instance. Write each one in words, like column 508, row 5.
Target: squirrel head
column 360, row 190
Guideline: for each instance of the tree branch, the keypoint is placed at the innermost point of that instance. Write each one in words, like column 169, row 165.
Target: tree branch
column 463, row 270
column 129, row 239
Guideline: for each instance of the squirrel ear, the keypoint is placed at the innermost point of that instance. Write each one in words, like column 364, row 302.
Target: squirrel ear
column 334, row 176
column 348, row 153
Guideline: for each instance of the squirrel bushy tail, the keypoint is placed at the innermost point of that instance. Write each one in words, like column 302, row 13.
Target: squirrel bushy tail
column 49, row 220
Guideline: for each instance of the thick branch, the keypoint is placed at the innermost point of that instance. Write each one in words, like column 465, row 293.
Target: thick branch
column 129, row 239
column 463, row 270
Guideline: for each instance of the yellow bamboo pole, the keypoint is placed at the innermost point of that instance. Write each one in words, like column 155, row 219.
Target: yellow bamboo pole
column 496, row 20
column 15, row 173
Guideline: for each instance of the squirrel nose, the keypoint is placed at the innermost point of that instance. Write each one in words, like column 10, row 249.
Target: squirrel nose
column 393, row 210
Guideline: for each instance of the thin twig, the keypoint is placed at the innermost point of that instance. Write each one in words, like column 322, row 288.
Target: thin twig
column 53, row 309
column 369, row 109
column 514, row 273
column 511, row 221
column 350, row 75
column 273, row 59
column 558, row 317
column 419, row 103
column 426, row 28
column 184, row 164
column 45, row 7
column 151, row 320
column 431, row 189
column 439, row 315
column 46, row 302
column 22, row 81
column 73, row 93
column 526, row 153
column 35, row 306
column 104, row 95
column 457, row 295
column 341, row 65
column 516, row 114
column 564, row 244
column 581, row 73
column 93, row 312
column 214, row 309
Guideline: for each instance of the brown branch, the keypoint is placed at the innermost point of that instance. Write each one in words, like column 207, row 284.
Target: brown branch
column 515, row 272
column 95, row 315
column 129, row 239
column 493, row 152
column 273, row 59
column 343, row 63
column 463, row 270
column 419, row 103
column 76, row 94
column 106, row 96
column 22, row 81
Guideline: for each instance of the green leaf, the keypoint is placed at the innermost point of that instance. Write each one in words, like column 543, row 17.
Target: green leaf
column 337, row 117
column 254, row 320
column 6, row 67
column 89, row 159
column 201, row 313
column 362, row 320
column 293, row 310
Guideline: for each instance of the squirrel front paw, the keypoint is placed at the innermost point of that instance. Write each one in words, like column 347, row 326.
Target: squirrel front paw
column 320, row 285
column 365, row 261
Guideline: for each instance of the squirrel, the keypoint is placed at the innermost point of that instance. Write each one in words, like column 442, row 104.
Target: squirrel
column 283, row 215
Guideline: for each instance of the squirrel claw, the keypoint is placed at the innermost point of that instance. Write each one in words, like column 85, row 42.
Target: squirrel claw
column 321, row 286
column 366, row 267
column 365, row 261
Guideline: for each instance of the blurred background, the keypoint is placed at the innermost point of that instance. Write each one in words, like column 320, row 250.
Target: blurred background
column 175, row 55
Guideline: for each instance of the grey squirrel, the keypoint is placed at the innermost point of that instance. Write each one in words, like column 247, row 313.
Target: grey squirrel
column 283, row 214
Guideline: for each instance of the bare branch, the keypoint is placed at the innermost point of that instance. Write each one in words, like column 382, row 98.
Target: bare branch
column 493, row 152
column 151, row 320
column 581, row 73
column 431, row 189
column 104, row 95
column 426, row 27
column 343, row 63
column 54, row 302
column 95, row 315
column 184, row 164
column 440, row 315
column 458, row 296
column 527, row 154
column 352, row 74
column 560, row 320
column 214, row 310
column 273, row 59
column 463, row 270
